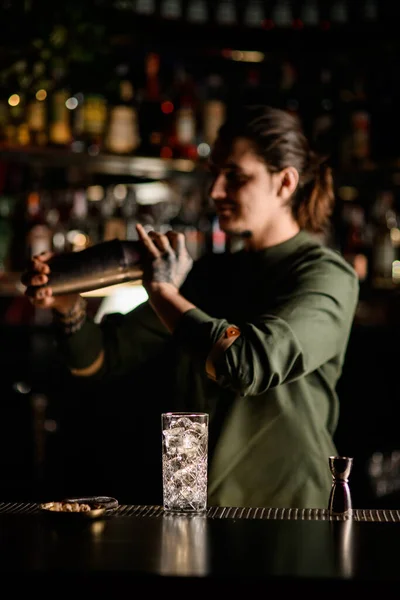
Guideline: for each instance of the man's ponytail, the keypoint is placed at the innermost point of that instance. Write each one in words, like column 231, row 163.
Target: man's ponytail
column 316, row 198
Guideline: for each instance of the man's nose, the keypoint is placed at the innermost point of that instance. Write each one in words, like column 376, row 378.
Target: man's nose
column 218, row 187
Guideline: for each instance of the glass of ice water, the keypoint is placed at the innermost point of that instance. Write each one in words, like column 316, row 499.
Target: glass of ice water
column 184, row 461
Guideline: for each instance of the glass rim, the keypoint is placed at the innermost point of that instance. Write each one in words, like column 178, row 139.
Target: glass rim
column 184, row 414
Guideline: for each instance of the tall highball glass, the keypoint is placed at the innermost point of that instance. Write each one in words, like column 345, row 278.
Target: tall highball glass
column 184, row 461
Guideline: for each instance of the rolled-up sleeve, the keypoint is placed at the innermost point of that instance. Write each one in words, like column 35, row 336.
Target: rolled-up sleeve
column 307, row 327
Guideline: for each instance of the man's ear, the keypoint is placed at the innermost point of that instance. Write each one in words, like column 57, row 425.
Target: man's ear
column 289, row 179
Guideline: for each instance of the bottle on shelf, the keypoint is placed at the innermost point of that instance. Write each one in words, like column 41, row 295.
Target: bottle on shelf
column 186, row 105
column 37, row 119
column 129, row 210
column 214, row 108
column 171, row 9
column 39, row 234
column 122, row 135
column 57, row 226
column 289, row 89
column 17, row 130
column 7, row 205
column 60, row 133
column 114, row 225
column 94, row 112
column 4, row 116
column 188, row 218
column 282, row 14
column 357, row 239
column 370, row 11
column 95, row 195
column 386, row 243
column 146, row 7
column 339, row 12
column 151, row 122
column 254, row 13
column 77, row 226
column 252, row 89
column 225, row 13
column 323, row 129
column 197, row 11
column 309, row 13
column 356, row 149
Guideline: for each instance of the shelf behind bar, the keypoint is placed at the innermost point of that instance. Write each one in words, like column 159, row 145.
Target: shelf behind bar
column 140, row 166
column 160, row 168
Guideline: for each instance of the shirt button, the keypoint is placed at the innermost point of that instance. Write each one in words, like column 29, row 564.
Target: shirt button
column 232, row 331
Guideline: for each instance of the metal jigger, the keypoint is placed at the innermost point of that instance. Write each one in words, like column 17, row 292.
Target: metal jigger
column 340, row 498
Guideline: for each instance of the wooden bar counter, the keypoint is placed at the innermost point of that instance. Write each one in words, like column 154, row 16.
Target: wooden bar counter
column 226, row 550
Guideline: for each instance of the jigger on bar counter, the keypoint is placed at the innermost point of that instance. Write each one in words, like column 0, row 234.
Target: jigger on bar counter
column 340, row 497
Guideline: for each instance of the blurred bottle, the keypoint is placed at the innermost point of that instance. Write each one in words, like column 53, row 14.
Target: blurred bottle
column 56, row 223
column 189, row 219
column 186, row 105
column 146, row 7
column 356, row 144
column 282, row 14
column 77, row 227
column 339, row 12
column 94, row 120
column 37, row 119
column 4, row 116
column 254, row 13
column 289, row 89
column 214, row 108
column 357, row 240
column 324, row 133
column 309, row 13
column 95, row 195
column 129, row 210
column 38, row 234
column 7, row 206
column 171, row 9
column 60, row 133
column 123, row 128
column 252, row 92
column 151, row 122
column 197, row 11
column 225, row 13
column 114, row 225
column 370, row 11
column 386, row 243
column 17, row 130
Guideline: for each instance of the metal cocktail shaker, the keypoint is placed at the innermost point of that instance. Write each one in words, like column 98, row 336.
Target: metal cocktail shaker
column 98, row 266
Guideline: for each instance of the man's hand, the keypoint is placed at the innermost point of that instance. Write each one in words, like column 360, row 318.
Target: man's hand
column 36, row 277
column 167, row 259
column 166, row 264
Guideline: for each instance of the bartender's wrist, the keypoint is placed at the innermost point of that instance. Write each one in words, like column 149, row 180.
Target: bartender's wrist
column 72, row 320
column 64, row 306
column 161, row 289
column 168, row 303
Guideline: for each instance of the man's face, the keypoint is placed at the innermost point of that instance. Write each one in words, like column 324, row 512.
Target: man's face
column 245, row 192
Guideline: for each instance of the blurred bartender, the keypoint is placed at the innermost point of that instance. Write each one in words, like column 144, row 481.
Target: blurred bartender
column 255, row 337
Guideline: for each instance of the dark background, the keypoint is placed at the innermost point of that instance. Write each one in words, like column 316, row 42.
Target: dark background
column 58, row 440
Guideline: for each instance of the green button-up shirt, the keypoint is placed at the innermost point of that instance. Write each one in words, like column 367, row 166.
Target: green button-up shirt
column 273, row 407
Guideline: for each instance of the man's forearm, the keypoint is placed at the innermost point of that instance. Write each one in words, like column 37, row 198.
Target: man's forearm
column 168, row 303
